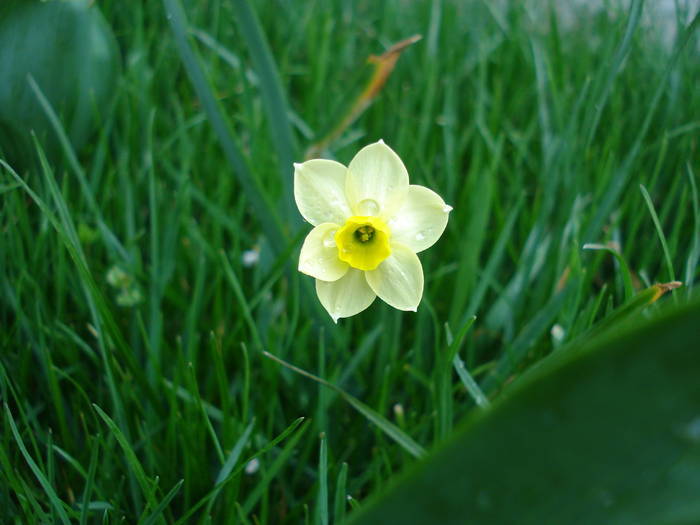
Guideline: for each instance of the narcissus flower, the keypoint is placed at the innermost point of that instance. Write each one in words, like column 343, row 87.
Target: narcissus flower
column 369, row 224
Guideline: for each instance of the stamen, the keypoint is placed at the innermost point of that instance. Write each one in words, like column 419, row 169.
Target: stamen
column 364, row 233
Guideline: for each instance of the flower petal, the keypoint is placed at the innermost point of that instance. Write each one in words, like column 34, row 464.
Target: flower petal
column 419, row 223
column 377, row 181
column 319, row 191
column 398, row 281
column 347, row 296
column 319, row 254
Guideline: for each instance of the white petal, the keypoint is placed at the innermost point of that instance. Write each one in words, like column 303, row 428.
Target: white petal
column 377, row 181
column 398, row 280
column 419, row 223
column 319, row 254
column 319, row 191
column 347, row 296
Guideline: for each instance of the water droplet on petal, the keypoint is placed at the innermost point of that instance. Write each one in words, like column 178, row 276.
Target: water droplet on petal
column 368, row 207
column 420, row 236
column 329, row 239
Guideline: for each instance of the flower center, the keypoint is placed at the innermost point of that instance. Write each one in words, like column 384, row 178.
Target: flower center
column 363, row 242
column 364, row 233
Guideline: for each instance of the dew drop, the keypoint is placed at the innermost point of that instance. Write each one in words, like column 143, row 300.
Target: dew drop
column 368, row 207
column 329, row 239
column 420, row 236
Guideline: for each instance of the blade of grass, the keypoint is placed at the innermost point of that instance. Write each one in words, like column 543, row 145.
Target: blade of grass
column 273, row 101
column 291, row 428
column 615, row 188
column 659, row 231
column 56, row 503
column 129, row 455
column 323, row 480
column 266, row 213
column 599, row 102
column 493, row 262
column 112, row 241
column 262, row 486
column 90, row 481
column 467, row 380
column 242, row 301
column 517, row 351
column 624, row 267
column 158, row 511
column 391, row 430
column 694, row 255
column 231, row 461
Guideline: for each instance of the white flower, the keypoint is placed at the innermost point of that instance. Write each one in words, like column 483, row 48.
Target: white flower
column 369, row 223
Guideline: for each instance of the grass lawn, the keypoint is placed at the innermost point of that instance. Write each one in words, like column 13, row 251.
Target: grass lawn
column 144, row 277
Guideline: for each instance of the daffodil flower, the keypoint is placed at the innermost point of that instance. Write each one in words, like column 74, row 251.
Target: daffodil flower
column 369, row 224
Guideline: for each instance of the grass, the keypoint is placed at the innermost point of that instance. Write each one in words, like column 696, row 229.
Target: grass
column 148, row 398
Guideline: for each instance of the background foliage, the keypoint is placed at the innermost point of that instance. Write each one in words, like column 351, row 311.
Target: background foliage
column 142, row 278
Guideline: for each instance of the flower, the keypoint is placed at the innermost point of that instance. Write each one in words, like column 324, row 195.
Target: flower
column 369, row 224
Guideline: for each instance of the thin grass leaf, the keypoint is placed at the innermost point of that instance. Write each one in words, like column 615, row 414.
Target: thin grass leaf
column 268, row 446
column 266, row 213
column 694, row 255
column 90, row 481
column 619, row 180
column 467, row 380
column 56, row 503
column 340, row 494
column 659, row 231
column 599, row 101
column 111, row 240
column 281, row 460
column 492, row 263
column 517, row 351
column 231, row 461
column 624, row 267
column 242, row 301
column 391, row 430
column 158, row 511
column 273, row 97
column 323, row 481
column 130, row 456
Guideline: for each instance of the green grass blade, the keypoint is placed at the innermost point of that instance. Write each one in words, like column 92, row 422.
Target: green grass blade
column 694, row 255
column 323, row 481
column 517, row 351
column 266, row 213
column 599, row 102
column 624, row 267
column 273, row 99
column 386, row 426
column 660, row 232
column 90, row 481
column 274, row 469
column 281, row 437
column 56, row 503
column 615, row 188
column 158, row 511
column 231, row 462
column 340, row 495
column 130, row 456
column 111, row 240
column 467, row 380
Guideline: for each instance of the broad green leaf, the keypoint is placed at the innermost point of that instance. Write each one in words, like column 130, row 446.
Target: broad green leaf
column 605, row 432
column 70, row 51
